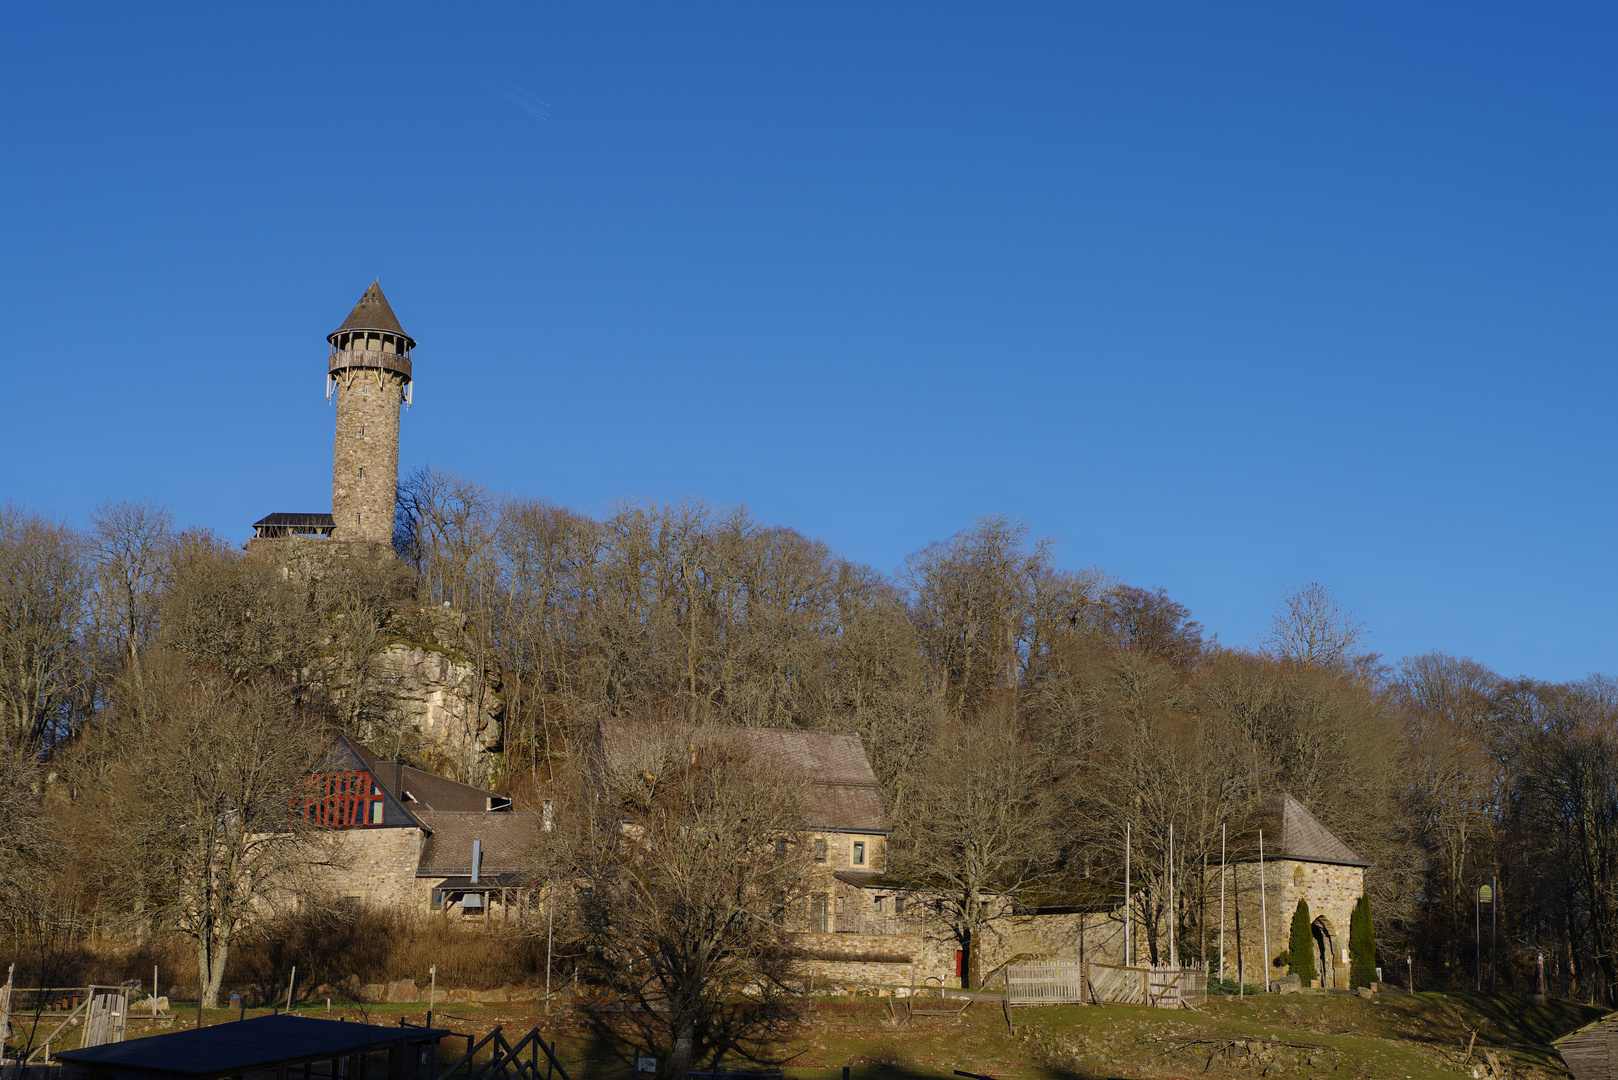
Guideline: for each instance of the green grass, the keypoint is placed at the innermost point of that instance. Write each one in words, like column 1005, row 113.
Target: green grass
column 1391, row 1036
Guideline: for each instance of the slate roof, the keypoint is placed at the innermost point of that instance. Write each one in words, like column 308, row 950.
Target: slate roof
column 843, row 792
column 420, row 790
column 1292, row 832
column 508, row 843
column 372, row 313
column 245, row 1046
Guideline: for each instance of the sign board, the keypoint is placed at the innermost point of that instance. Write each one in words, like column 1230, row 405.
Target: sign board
column 644, row 1064
column 1485, row 894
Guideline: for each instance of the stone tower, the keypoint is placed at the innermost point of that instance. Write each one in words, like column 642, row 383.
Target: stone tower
column 370, row 374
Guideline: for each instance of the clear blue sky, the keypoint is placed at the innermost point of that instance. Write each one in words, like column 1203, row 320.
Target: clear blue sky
column 1222, row 297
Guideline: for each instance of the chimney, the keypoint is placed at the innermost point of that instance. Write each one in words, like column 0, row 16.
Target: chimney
column 477, row 859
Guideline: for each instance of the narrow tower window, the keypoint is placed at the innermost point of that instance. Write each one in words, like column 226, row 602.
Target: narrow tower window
column 362, row 472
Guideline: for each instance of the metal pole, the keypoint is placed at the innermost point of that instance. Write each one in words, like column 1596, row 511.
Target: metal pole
column 550, row 932
column 1129, row 954
column 1264, row 907
column 1494, row 932
column 1477, row 936
column 1221, row 902
column 1174, row 953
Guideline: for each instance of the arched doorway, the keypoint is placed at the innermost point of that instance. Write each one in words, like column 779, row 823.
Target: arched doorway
column 1325, row 952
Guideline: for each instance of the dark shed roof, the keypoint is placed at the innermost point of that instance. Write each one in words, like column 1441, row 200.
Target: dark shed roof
column 843, row 793
column 372, row 313
column 264, row 1042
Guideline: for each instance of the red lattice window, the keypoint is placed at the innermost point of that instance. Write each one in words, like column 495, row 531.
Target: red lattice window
column 343, row 800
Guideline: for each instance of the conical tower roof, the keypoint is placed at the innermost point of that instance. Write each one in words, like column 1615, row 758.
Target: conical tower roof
column 372, row 313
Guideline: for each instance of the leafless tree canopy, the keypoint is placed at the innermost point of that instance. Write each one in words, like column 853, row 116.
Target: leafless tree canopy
column 688, row 857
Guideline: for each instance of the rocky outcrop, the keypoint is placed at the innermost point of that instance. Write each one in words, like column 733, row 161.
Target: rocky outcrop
column 444, row 703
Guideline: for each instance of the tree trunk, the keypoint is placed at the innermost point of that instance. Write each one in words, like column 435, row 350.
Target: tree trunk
column 211, row 969
column 679, row 1062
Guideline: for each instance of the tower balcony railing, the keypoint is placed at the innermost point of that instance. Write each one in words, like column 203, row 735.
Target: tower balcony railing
column 344, row 361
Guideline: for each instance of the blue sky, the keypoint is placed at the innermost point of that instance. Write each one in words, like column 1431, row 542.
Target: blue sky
column 1223, row 298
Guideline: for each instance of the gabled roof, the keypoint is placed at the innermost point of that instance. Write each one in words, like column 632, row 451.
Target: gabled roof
column 421, row 790
column 508, row 843
column 843, row 793
column 372, row 313
column 1292, row 832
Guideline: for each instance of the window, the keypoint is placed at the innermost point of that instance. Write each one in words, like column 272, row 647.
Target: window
column 818, row 914
column 877, row 904
column 1297, row 877
column 362, row 472
column 780, row 849
column 438, row 899
column 820, row 850
column 859, row 853
column 898, row 905
column 342, row 800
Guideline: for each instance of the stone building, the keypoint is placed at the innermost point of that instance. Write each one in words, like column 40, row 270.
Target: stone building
column 417, row 843
column 862, row 928
column 1303, row 860
column 369, row 375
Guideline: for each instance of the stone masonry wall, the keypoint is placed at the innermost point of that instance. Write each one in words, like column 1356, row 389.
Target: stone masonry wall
column 376, row 867
column 368, row 401
column 1331, row 891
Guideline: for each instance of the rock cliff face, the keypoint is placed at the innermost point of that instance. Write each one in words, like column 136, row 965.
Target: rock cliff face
column 450, row 708
column 423, row 695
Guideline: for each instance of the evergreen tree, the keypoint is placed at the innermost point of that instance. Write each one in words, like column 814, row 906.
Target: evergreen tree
column 1300, row 954
column 1361, row 945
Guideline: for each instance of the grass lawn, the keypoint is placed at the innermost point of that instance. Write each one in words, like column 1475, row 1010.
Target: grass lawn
column 1389, row 1037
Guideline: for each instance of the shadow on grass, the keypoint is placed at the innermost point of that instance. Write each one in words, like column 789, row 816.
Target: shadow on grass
column 1514, row 1019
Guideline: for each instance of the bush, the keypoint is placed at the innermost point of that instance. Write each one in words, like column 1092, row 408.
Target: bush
column 1300, row 954
column 1361, row 945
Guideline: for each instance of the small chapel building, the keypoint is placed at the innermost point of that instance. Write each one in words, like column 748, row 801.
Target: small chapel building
column 1302, row 860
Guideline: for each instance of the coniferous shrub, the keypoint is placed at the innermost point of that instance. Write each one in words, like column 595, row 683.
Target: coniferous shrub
column 1361, row 945
column 1300, row 954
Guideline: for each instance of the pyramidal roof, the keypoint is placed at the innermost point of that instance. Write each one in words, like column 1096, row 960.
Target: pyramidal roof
column 372, row 313
column 1303, row 837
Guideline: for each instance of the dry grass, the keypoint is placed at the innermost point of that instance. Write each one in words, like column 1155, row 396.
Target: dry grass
column 371, row 946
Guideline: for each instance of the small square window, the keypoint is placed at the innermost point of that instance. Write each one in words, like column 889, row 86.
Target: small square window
column 820, row 850
column 877, row 903
column 859, row 853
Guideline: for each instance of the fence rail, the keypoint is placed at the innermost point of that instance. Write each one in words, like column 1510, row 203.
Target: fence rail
column 1058, row 982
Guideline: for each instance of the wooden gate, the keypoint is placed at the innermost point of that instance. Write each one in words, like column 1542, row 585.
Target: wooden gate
column 1159, row 986
column 1047, row 982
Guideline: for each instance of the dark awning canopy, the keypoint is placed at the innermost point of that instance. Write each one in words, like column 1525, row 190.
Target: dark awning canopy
column 244, row 1046
column 294, row 525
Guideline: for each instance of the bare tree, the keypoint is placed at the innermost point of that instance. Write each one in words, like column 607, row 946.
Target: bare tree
column 208, row 835
column 44, row 669
column 687, row 855
column 982, row 826
column 1311, row 627
column 129, row 545
column 235, row 614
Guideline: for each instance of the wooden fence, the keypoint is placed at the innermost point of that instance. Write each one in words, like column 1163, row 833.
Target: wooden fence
column 1059, row 982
